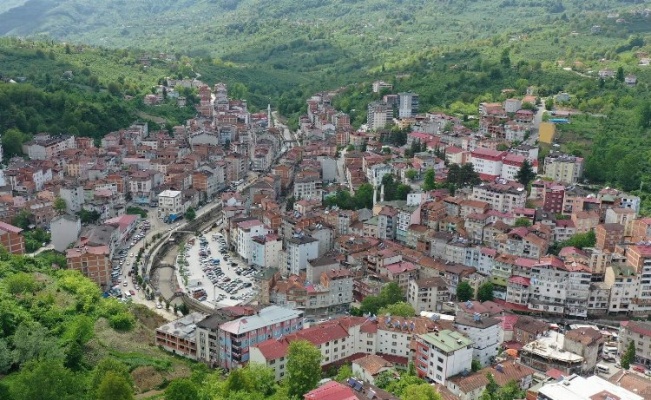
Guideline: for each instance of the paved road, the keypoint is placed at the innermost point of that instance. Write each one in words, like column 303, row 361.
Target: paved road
column 535, row 129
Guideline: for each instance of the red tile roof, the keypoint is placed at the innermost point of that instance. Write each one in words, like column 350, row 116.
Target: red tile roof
column 9, row 228
column 331, row 391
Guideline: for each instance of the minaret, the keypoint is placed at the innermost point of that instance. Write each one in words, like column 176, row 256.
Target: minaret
column 374, row 195
column 382, row 193
column 270, row 122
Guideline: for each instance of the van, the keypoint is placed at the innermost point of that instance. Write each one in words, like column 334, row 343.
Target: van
column 603, row 369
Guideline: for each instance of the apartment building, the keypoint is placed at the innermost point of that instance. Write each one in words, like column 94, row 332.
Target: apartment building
column 178, row 337
column 484, row 332
column 427, row 294
column 563, row 168
column 245, row 231
column 74, row 198
column 549, row 280
column 235, row 337
column 308, row 188
column 265, row 250
column 608, row 236
column 378, row 115
column 300, row 249
column 92, row 254
column 65, row 230
column 440, row 355
column 407, row 104
column 622, row 281
column 170, row 203
column 503, row 196
column 580, row 388
column 638, row 332
column 487, row 161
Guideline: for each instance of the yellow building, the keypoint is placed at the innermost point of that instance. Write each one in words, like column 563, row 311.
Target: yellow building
column 547, row 131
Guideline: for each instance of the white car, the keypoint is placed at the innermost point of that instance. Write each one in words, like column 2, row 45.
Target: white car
column 132, row 255
column 159, row 306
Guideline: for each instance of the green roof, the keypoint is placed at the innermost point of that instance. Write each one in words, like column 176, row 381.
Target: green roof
column 447, row 340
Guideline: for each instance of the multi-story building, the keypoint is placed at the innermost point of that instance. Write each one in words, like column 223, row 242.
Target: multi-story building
column 307, row 188
column 428, row 294
column 65, row 230
column 46, row 147
column 170, row 203
column 553, row 198
column 547, row 352
column 375, row 173
column 580, row 388
column 11, row 238
column 407, row 104
column 503, row 197
column 387, row 223
column 265, row 250
column 487, row 161
column 245, row 231
column 440, row 355
column 586, row 342
column 74, row 198
column 638, row 332
column 300, row 249
column 484, row 333
column 179, row 336
column 563, row 168
column 622, row 281
column 549, row 281
column 609, row 235
column 378, row 115
column 235, row 337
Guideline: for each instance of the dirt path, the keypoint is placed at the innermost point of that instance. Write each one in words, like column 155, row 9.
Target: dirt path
column 149, row 394
column 157, row 120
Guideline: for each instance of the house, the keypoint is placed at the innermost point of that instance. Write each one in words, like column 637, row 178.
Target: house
column 331, row 391
column 11, row 238
column 549, row 352
column 471, row 387
column 586, row 342
column 640, row 333
column 370, row 366
column 630, row 80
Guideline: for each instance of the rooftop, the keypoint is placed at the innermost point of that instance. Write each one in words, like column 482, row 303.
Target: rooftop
column 579, row 388
column 447, row 340
column 551, row 347
column 265, row 317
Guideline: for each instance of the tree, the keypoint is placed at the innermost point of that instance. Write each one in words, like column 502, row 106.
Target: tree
column 475, row 365
column 190, row 215
column 485, row 292
column 411, row 174
column 103, row 368
column 22, row 220
column 46, row 380
column 182, row 389
column 290, row 203
column 505, row 59
column 12, row 143
column 303, row 367
column 32, row 342
column 620, row 74
column 429, row 181
column 115, row 387
column 522, row 221
column 401, row 309
column 344, row 373
column 629, row 355
column 423, row 391
column 391, row 293
column 464, row 291
column 60, row 205
column 525, row 173
column 6, row 358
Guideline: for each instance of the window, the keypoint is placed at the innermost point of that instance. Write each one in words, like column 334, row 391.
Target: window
column 439, row 368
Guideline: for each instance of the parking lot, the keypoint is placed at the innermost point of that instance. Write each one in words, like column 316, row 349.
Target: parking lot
column 209, row 273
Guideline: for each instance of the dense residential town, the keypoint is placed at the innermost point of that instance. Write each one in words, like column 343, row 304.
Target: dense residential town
column 310, row 260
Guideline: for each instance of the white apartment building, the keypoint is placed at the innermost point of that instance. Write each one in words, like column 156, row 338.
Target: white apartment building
column 170, row 202
column 378, row 115
column 407, row 104
column 487, row 161
column 300, row 249
column 308, row 188
column 504, row 196
column 549, row 284
column 65, row 230
column 427, row 294
column 484, row 333
column 563, row 168
column 375, row 173
column 265, row 250
column 245, row 232
column 578, row 292
column 576, row 387
column 74, row 197
column 440, row 355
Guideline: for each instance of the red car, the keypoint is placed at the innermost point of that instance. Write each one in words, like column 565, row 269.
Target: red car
column 639, row 368
column 132, row 292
